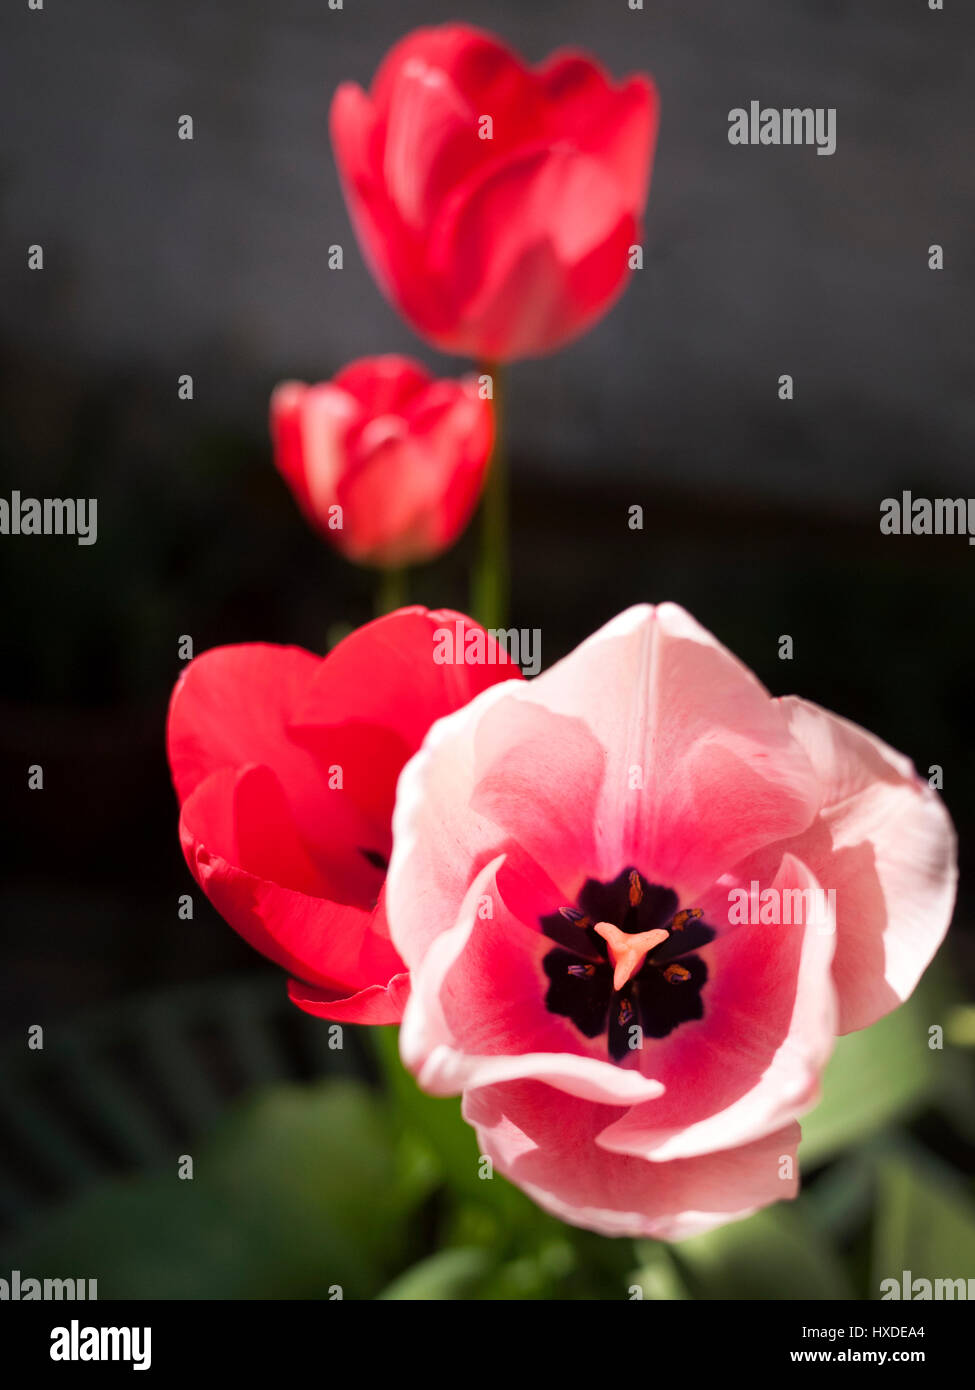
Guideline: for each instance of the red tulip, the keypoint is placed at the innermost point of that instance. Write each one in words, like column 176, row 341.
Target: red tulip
column 496, row 203
column 285, row 765
column 385, row 461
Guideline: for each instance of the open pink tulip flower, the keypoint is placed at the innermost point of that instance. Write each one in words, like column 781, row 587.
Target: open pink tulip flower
column 385, row 461
column 638, row 898
column 496, row 203
column 285, row 764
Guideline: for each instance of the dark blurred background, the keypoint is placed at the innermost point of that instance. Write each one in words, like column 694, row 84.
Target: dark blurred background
column 165, row 257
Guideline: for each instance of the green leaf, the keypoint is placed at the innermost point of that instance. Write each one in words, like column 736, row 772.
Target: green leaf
column 960, row 1027
column 449, row 1274
column 297, row 1192
column 925, row 1224
column 433, row 1123
column 774, row 1254
column 547, row 1272
column 433, row 1132
column 842, row 1196
column 877, row 1075
column 149, row 1237
column 658, row 1276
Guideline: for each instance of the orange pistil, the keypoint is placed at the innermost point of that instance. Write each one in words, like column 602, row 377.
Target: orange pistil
column 627, row 951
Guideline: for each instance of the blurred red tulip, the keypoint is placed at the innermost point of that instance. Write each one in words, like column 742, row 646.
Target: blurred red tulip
column 385, row 461
column 496, row 203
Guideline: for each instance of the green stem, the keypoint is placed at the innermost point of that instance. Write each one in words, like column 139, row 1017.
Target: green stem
column 391, row 591
column 384, row 1043
column 490, row 589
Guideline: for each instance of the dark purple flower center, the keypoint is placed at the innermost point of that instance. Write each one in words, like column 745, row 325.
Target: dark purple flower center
column 658, row 994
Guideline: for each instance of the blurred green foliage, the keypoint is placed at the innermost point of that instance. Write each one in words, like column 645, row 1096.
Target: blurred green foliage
column 880, row 1074
column 343, row 1188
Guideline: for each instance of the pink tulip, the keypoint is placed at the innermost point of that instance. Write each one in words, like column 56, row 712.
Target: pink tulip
column 385, row 461
column 496, row 203
column 285, row 765
column 566, row 856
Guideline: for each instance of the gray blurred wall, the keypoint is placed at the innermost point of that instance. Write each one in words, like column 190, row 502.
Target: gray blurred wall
column 208, row 257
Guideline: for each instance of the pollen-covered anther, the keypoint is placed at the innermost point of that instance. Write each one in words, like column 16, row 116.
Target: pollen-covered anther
column 675, row 974
column 573, row 915
column 628, row 950
column 582, row 972
column 688, row 914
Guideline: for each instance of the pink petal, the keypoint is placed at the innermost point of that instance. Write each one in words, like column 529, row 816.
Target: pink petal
column 548, row 766
column 377, row 1004
column 662, row 696
column 329, row 416
column 328, row 943
column 409, row 494
column 486, row 75
column 547, row 1143
column 619, row 124
column 286, row 415
column 431, row 141
column 365, row 676
column 232, row 705
column 885, row 843
column 391, row 250
column 530, row 250
column 754, row 1061
column 388, row 384
column 477, row 1016
column 502, row 771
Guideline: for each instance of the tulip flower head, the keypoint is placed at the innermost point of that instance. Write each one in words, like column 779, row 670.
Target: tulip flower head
column 570, row 859
column 496, row 203
column 386, row 462
column 285, row 765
